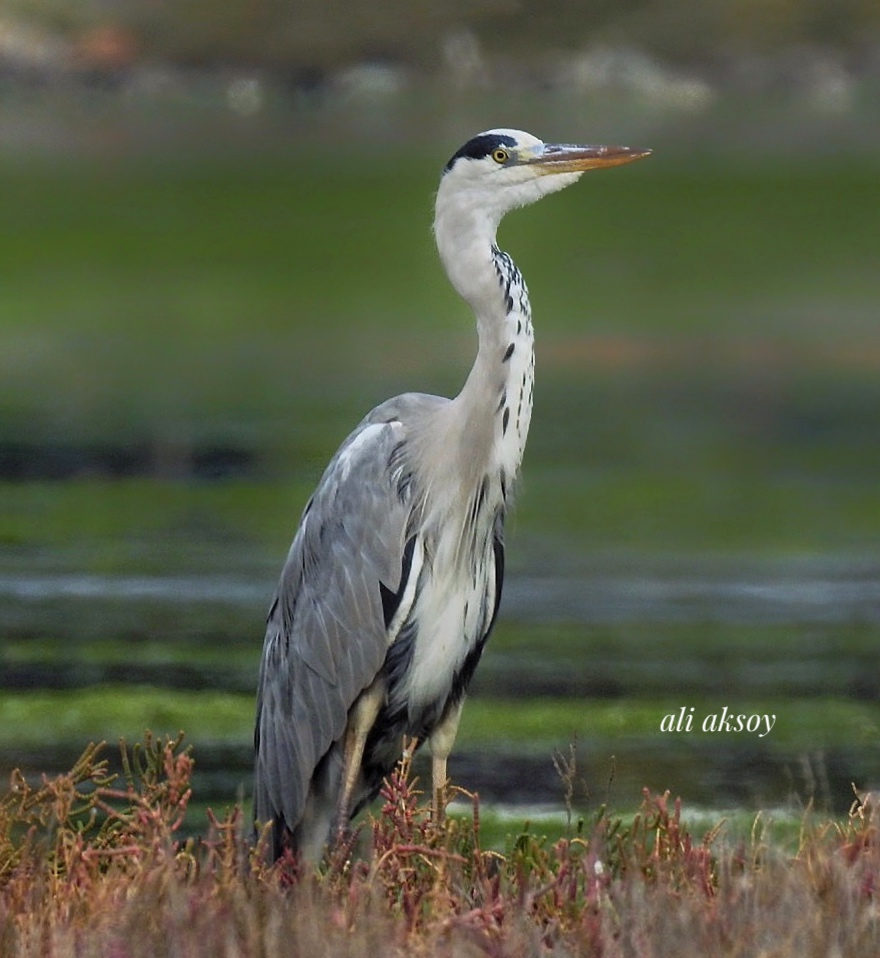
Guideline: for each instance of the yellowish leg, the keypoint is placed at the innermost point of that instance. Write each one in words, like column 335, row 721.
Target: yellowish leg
column 361, row 719
column 441, row 741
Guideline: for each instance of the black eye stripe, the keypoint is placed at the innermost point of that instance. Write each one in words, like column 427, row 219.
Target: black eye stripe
column 482, row 146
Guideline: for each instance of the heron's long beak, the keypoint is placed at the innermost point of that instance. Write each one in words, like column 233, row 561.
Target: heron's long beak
column 565, row 158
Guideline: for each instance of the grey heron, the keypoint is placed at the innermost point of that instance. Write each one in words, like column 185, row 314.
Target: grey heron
column 393, row 580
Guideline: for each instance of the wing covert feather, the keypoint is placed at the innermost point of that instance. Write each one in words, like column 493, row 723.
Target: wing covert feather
column 326, row 638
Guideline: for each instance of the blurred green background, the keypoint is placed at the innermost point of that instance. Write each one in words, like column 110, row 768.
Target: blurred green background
column 215, row 257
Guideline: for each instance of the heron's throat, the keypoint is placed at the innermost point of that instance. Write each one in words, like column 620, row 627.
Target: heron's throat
column 495, row 404
column 490, row 416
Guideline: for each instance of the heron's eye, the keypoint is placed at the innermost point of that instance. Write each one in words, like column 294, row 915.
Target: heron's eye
column 500, row 155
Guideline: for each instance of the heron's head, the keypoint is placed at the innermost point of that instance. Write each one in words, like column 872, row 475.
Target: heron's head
column 500, row 170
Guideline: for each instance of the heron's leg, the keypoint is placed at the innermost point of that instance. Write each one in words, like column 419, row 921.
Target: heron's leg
column 441, row 741
column 361, row 718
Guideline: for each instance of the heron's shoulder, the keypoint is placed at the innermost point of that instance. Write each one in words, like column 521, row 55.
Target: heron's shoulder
column 406, row 409
column 369, row 446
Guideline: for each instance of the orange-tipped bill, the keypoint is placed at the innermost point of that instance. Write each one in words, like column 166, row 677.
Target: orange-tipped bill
column 564, row 158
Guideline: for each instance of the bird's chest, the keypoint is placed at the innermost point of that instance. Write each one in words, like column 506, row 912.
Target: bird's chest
column 453, row 618
column 451, row 612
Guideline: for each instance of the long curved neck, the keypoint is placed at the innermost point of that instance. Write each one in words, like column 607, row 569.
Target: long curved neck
column 493, row 410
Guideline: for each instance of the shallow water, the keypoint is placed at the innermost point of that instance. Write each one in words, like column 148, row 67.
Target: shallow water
column 830, row 591
column 709, row 650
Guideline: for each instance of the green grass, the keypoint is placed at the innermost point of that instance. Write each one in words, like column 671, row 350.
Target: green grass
column 111, row 712
column 268, row 306
column 706, row 344
column 234, row 657
column 501, row 829
column 546, row 724
column 154, row 527
column 264, row 247
column 105, row 519
column 194, row 301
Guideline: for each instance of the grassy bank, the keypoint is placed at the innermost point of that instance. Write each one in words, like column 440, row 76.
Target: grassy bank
column 533, row 725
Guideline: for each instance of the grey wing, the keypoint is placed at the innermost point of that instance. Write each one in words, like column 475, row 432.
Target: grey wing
column 326, row 636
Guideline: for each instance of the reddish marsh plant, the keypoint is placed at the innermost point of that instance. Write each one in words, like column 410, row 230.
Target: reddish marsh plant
column 93, row 866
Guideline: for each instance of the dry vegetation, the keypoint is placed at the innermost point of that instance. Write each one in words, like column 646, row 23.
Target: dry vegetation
column 91, row 866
